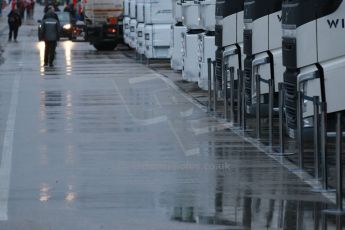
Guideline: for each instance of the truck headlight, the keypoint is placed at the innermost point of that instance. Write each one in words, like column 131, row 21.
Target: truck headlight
column 67, row 26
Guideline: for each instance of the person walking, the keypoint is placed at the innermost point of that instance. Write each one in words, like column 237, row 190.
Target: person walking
column 14, row 22
column 50, row 30
column 21, row 8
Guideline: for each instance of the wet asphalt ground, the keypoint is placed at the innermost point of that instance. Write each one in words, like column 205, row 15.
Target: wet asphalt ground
column 101, row 141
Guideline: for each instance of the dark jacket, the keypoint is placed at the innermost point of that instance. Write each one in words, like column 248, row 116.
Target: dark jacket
column 50, row 14
column 50, row 27
column 46, row 8
column 14, row 19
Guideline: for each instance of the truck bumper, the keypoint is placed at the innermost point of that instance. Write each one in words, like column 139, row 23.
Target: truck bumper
column 105, row 33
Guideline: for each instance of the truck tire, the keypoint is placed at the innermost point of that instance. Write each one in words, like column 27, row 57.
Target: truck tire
column 105, row 46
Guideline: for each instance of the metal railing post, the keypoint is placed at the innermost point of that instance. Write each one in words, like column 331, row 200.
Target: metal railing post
column 232, row 94
column 316, row 101
column 270, row 111
column 323, row 145
column 339, row 212
column 281, row 117
column 244, row 104
column 239, row 97
column 300, row 128
column 339, row 165
column 215, row 88
column 258, row 106
column 225, row 92
column 209, row 69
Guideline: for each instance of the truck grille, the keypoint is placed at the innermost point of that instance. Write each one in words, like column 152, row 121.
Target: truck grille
column 248, row 79
column 248, row 42
column 219, row 35
column 219, row 64
column 290, row 80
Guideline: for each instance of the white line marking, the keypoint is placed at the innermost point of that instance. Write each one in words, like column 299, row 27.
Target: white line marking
column 146, row 77
column 189, row 152
column 209, row 129
column 187, row 113
column 174, row 99
column 7, row 150
column 184, row 94
column 151, row 121
column 192, row 152
column 145, row 122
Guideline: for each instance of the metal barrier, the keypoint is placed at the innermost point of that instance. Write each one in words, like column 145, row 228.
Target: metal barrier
column 209, row 76
column 281, row 117
column 339, row 210
column 320, row 134
column 300, row 129
column 258, row 105
column 239, row 96
column 270, row 110
column 319, row 138
column 225, row 91
column 229, row 85
column 243, row 102
column 212, row 94
column 232, row 93
column 215, row 88
column 316, row 104
column 320, row 153
column 270, row 83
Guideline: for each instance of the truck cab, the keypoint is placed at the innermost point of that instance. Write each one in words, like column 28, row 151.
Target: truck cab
column 177, row 30
column 262, row 47
column 103, row 23
column 190, row 16
column 133, row 23
column 126, row 20
column 314, row 57
column 140, row 27
column 158, row 21
column 228, row 38
column 206, row 47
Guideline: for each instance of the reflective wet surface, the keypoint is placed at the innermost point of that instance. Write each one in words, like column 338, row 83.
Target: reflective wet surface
column 101, row 141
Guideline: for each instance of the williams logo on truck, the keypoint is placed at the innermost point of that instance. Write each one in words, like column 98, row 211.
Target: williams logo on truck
column 336, row 23
column 279, row 17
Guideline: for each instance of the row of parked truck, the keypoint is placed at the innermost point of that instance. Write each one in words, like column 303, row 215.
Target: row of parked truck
column 262, row 58
column 147, row 27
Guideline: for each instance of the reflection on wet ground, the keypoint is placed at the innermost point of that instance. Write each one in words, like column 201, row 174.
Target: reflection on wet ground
column 103, row 142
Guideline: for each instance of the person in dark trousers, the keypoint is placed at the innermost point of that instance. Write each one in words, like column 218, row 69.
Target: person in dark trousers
column 14, row 22
column 51, row 35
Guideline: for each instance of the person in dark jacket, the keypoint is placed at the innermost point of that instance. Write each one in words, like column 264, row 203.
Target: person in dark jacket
column 48, row 6
column 51, row 35
column 14, row 22
column 51, row 13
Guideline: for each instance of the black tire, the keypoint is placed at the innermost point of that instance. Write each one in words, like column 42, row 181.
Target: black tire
column 105, row 46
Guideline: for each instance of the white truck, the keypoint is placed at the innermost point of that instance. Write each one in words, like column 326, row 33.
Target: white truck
column 103, row 22
column 158, row 21
column 126, row 21
column 177, row 30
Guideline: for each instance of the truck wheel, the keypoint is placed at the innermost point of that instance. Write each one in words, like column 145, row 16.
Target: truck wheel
column 105, row 46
